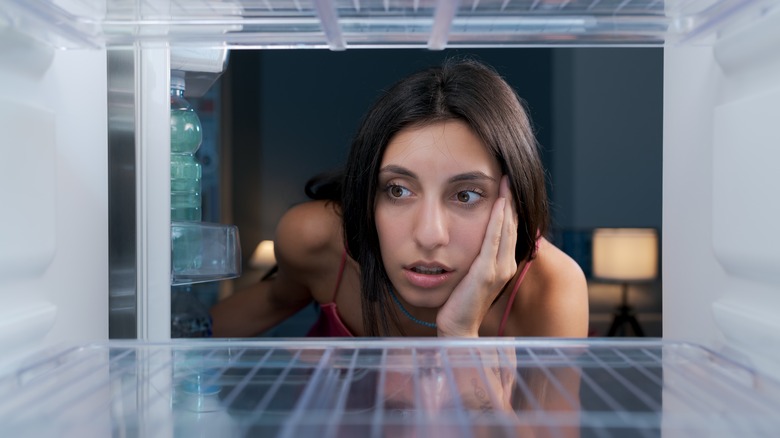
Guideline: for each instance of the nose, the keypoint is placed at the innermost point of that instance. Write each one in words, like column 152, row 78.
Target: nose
column 430, row 227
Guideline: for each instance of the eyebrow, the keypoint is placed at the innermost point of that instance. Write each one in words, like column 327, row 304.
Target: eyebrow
column 468, row 176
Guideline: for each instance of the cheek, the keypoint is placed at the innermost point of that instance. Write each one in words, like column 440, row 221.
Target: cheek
column 389, row 230
column 468, row 234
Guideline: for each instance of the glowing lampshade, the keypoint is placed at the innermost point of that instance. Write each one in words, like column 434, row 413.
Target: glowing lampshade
column 263, row 257
column 625, row 254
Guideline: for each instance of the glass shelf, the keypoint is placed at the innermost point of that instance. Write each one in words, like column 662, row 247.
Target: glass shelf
column 375, row 388
column 341, row 24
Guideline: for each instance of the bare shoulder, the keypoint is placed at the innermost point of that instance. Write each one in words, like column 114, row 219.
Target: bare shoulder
column 307, row 234
column 555, row 268
column 556, row 295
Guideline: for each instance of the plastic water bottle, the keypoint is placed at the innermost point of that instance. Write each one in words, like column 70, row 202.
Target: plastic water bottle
column 189, row 316
column 198, row 411
column 186, row 173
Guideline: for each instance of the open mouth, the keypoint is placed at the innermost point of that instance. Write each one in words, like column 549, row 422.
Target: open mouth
column 427, row 275
column 427, row 270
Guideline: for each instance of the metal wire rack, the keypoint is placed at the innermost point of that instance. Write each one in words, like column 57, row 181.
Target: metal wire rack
column 393, row 387
column 341, row 24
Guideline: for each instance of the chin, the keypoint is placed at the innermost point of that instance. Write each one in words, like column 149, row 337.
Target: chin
column 426, row 298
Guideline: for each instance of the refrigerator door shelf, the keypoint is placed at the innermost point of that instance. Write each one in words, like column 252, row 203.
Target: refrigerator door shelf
column 202, row 67
column 202, row 252
column 391, row 387
column 341, row 24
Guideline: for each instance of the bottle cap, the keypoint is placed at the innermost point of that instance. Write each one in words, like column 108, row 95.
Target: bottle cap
column 177, row 80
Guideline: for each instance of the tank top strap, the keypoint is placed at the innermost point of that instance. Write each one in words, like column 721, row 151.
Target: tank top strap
column 340, row 275
column 512, row 296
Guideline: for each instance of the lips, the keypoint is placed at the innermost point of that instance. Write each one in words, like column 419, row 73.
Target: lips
column 427, row 270
column 427, row 275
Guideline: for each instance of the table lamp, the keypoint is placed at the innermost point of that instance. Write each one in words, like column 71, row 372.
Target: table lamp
column 625, row 255
column 263, row 257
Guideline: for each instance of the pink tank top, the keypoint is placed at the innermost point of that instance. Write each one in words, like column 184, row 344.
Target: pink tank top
column 330, row 325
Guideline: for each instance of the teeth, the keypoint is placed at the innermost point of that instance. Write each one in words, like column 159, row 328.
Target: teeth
column 429, row 271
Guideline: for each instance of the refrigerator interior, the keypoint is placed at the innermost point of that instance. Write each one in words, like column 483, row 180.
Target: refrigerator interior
column 721, row 287
column 423, row 387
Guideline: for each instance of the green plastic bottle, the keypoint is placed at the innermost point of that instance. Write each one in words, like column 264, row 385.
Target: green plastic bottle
column 186, row 174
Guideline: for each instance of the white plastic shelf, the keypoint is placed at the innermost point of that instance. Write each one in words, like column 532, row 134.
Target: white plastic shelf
column 341, row 24
column 376, row 388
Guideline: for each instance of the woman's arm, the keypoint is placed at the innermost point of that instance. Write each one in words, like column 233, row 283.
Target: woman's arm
column 302, row 244
column 254, row 309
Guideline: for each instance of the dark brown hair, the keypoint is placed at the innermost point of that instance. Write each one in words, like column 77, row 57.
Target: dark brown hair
column 464, row 90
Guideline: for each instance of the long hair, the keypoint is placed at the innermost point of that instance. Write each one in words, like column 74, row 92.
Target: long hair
column 463, row 90
column 326, row 186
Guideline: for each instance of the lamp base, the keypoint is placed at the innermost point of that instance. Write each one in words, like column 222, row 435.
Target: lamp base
column 624, row 315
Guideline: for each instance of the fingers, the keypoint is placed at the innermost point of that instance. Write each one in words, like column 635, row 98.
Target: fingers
column 498, row 248
column 505, row 192
column 506, row 248
column 493, row 234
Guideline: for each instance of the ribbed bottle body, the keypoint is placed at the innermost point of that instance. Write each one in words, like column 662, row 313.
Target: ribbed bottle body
column 186, row 176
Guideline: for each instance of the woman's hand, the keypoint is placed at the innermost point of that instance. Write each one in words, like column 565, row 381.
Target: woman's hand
column 481, row 385
column 494, row 266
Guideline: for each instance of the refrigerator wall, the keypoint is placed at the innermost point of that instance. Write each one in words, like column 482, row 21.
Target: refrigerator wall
column 718, row 189
column 721, row 284
column 53, row 222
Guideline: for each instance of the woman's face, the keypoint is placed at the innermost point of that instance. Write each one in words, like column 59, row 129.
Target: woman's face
column 437, row 186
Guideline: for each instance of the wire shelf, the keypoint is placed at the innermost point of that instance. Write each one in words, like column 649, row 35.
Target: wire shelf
column 341, row 24
column 376, row 388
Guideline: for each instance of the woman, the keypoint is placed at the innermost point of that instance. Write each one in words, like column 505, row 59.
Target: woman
column 440, row 229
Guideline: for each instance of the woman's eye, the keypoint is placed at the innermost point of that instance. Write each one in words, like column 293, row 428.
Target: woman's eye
column 468, row 196
column 398, row 191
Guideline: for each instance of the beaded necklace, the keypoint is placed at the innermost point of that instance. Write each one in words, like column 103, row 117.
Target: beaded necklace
column 409, row 315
